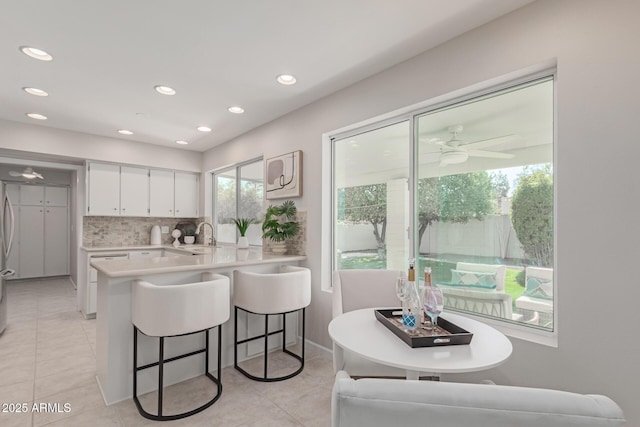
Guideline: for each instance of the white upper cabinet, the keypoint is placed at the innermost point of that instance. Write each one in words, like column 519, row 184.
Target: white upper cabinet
column 186, row 195
column 56, row 196
column 32, row 195
column 104, row 189
column 161, row 189
column 115, row 190
column 134, row 191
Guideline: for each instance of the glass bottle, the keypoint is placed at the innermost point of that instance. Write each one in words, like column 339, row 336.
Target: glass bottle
column 411, row 307
column 427, row 284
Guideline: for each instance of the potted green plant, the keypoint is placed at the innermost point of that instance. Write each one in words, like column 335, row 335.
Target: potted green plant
column 279, row 225
column 243, row 224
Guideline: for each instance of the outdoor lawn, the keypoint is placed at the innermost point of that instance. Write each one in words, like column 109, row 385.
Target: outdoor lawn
column 441, row 270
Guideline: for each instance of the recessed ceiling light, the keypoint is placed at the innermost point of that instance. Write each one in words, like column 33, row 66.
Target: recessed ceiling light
column 125, row 132
column 204, row 129
column 36, row 53
column 34, row 91
column 236, row 110
column 286, row 79
column 165, row 90
column 36, row 116
column 182, row 142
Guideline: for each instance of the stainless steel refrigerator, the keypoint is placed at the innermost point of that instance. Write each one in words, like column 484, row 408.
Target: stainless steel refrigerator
column 6, row 229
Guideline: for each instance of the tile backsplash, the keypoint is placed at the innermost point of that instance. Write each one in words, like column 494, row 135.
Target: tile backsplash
column 109, row 231
column 106, row 231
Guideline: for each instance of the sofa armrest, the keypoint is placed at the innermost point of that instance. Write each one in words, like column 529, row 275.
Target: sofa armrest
column 386, row 402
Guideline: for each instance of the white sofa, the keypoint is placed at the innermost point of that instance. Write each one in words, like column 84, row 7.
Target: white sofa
column 388, row 402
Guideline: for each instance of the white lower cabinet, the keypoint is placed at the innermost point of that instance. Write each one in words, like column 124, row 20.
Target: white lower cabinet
column 145, row 254
column 31, row 237
column 88, row 293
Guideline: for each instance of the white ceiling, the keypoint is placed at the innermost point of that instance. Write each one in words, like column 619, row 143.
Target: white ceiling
column 108, row 55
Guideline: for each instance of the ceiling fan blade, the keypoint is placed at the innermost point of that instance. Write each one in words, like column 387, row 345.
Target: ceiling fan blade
column 490, row 154
column 486, row 143
column 14, row 173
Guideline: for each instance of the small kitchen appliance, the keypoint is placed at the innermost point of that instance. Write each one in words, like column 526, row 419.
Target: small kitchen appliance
column 156, row 238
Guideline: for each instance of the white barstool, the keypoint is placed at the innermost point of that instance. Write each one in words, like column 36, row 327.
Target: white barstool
column 174, row 310
column 271, row 294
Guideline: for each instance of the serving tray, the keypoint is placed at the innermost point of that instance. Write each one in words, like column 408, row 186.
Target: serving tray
column 447, row 333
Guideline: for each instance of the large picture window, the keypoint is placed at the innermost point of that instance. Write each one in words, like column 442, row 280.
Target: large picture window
column 466, row 189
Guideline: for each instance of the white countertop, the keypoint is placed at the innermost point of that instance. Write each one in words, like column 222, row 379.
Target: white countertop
column 218, row 257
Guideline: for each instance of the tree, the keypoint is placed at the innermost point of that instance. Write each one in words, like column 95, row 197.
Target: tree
column 250, row 206
column 500, row 183
column 366, row 203
column 453, row 198
column 532, row 214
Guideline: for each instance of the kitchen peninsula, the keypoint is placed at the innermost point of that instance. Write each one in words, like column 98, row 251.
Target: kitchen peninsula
column 114, row 339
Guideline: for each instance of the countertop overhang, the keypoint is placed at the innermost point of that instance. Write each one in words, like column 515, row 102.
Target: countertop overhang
column 218, row 257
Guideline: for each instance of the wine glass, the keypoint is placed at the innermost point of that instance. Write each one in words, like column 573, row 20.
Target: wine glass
column 433, row 302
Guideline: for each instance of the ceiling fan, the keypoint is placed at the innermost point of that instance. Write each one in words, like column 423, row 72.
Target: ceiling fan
column 28, row 173
column 456, row 150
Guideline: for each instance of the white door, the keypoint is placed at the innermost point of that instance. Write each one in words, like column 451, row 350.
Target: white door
column 56, row 241
column 134, row 191
column 186, row 195
column 56, row 196
column 104, row 189
column 31, row 241
column 32, row 195
column 161, row 188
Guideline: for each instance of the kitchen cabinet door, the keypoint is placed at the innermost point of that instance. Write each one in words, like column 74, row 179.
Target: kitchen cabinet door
column 56, row 241
column 104, row 189
column 32, row 195
column 151, row 253
column 56, row 196
column 134, row 191
column 161, row 187
column 31, row 250
column 186, row 195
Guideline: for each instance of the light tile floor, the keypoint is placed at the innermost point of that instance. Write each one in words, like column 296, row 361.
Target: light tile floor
column 47, row 355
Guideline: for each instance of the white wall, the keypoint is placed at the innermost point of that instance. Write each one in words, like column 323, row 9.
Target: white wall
column 43, row 140
column 597, row 108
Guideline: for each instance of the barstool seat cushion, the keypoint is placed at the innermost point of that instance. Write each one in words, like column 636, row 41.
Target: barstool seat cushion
column 167, row 310
column 272, row 293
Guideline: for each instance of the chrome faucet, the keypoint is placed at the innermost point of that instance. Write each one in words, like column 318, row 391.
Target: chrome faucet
column 212, row 239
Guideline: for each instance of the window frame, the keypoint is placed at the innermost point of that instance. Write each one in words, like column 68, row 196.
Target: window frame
column 412, row 113
column 214, row 188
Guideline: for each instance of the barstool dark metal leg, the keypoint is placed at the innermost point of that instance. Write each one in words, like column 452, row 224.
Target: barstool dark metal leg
column 265, row 336
column 266, row 343
column 160, row 365
column 160, row 374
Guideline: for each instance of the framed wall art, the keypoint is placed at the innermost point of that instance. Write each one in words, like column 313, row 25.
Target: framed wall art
column 283, row 176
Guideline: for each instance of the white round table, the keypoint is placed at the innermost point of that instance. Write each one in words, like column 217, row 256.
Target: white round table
column 361, row 333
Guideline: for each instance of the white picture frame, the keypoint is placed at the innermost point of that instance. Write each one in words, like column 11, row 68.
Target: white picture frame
column 283, row 176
